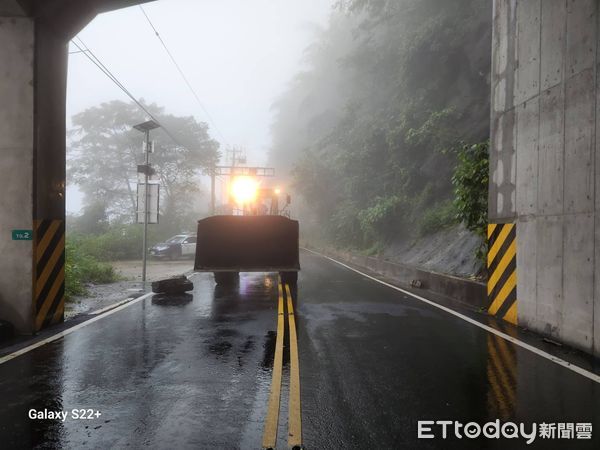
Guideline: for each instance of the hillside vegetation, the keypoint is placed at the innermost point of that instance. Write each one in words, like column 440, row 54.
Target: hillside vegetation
column 392, row 92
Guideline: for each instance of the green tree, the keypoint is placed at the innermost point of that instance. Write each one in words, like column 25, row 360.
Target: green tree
column 104, row 151
column 371, row 125
column 93, row 220
column 471, row 180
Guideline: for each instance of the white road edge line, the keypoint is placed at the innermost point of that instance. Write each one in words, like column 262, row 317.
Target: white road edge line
column 64, row 333
column 581, row 371
column 109, row 307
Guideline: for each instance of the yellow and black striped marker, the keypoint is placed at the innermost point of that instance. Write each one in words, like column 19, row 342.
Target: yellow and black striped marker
column 48, row 272
column 502, row 271
column 295, row 417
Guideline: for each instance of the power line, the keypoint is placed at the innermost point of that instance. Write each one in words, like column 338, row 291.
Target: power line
column 94, row 59
column 185, row 79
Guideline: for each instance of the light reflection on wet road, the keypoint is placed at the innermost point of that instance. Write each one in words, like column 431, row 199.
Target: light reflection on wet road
column 194, row 371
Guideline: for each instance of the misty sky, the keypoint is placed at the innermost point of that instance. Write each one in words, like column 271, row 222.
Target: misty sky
column 237, row 54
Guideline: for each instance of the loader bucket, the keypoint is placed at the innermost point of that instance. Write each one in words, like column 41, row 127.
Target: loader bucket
column 247, row 244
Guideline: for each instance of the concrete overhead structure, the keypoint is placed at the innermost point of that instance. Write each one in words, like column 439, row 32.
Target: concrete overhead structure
column 34, row 36
column 544, row 168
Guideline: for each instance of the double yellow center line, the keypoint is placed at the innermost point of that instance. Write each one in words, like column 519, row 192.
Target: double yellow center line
column 295, row 418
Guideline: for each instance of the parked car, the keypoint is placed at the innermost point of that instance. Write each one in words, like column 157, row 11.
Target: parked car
column 175, row 247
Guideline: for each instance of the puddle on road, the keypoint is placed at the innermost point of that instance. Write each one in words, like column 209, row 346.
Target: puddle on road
column 254, row 427
column 269, row 351
column 318, row 315
column 220, row 348
column 172, row 300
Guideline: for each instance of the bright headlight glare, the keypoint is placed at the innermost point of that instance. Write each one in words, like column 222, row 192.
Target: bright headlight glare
column 244, row 189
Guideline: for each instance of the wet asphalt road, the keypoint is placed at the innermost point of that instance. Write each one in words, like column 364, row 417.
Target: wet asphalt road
column 195, row 372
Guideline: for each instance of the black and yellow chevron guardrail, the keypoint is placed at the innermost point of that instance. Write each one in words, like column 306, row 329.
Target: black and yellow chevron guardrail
column 502, row 271
column 49, row 272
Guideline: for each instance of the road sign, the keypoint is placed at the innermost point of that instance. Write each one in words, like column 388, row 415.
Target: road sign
column 22, row 235
column 149, row 146
column 153, row 200
column 146, row 169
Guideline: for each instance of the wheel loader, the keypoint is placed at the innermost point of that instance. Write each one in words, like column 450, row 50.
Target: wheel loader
column 258, row 236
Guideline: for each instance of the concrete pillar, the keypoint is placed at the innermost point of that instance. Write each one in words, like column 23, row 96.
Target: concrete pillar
column 51, row 53
column 34, row 38
column 32, row 148
column 543, row 164
column 16, row 168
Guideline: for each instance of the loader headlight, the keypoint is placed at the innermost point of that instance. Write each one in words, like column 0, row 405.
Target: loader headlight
column 244, row 189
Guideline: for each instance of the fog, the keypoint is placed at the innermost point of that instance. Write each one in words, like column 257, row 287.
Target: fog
column 374, row 113
column 239, row 55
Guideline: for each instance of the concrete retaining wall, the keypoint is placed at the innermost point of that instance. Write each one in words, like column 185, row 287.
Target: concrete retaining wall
column 470, row 293
column 16, row 168
column 543, row 164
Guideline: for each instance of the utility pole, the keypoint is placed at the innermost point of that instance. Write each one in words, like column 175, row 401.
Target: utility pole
column 234, row 159
column 235, row 170
column 214, row 170
column 212, row 190
column 145, row 128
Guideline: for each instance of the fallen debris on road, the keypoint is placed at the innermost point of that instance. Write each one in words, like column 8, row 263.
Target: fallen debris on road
column 174, row 285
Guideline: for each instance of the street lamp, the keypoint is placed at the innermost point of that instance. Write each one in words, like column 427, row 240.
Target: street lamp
column 145, row 128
